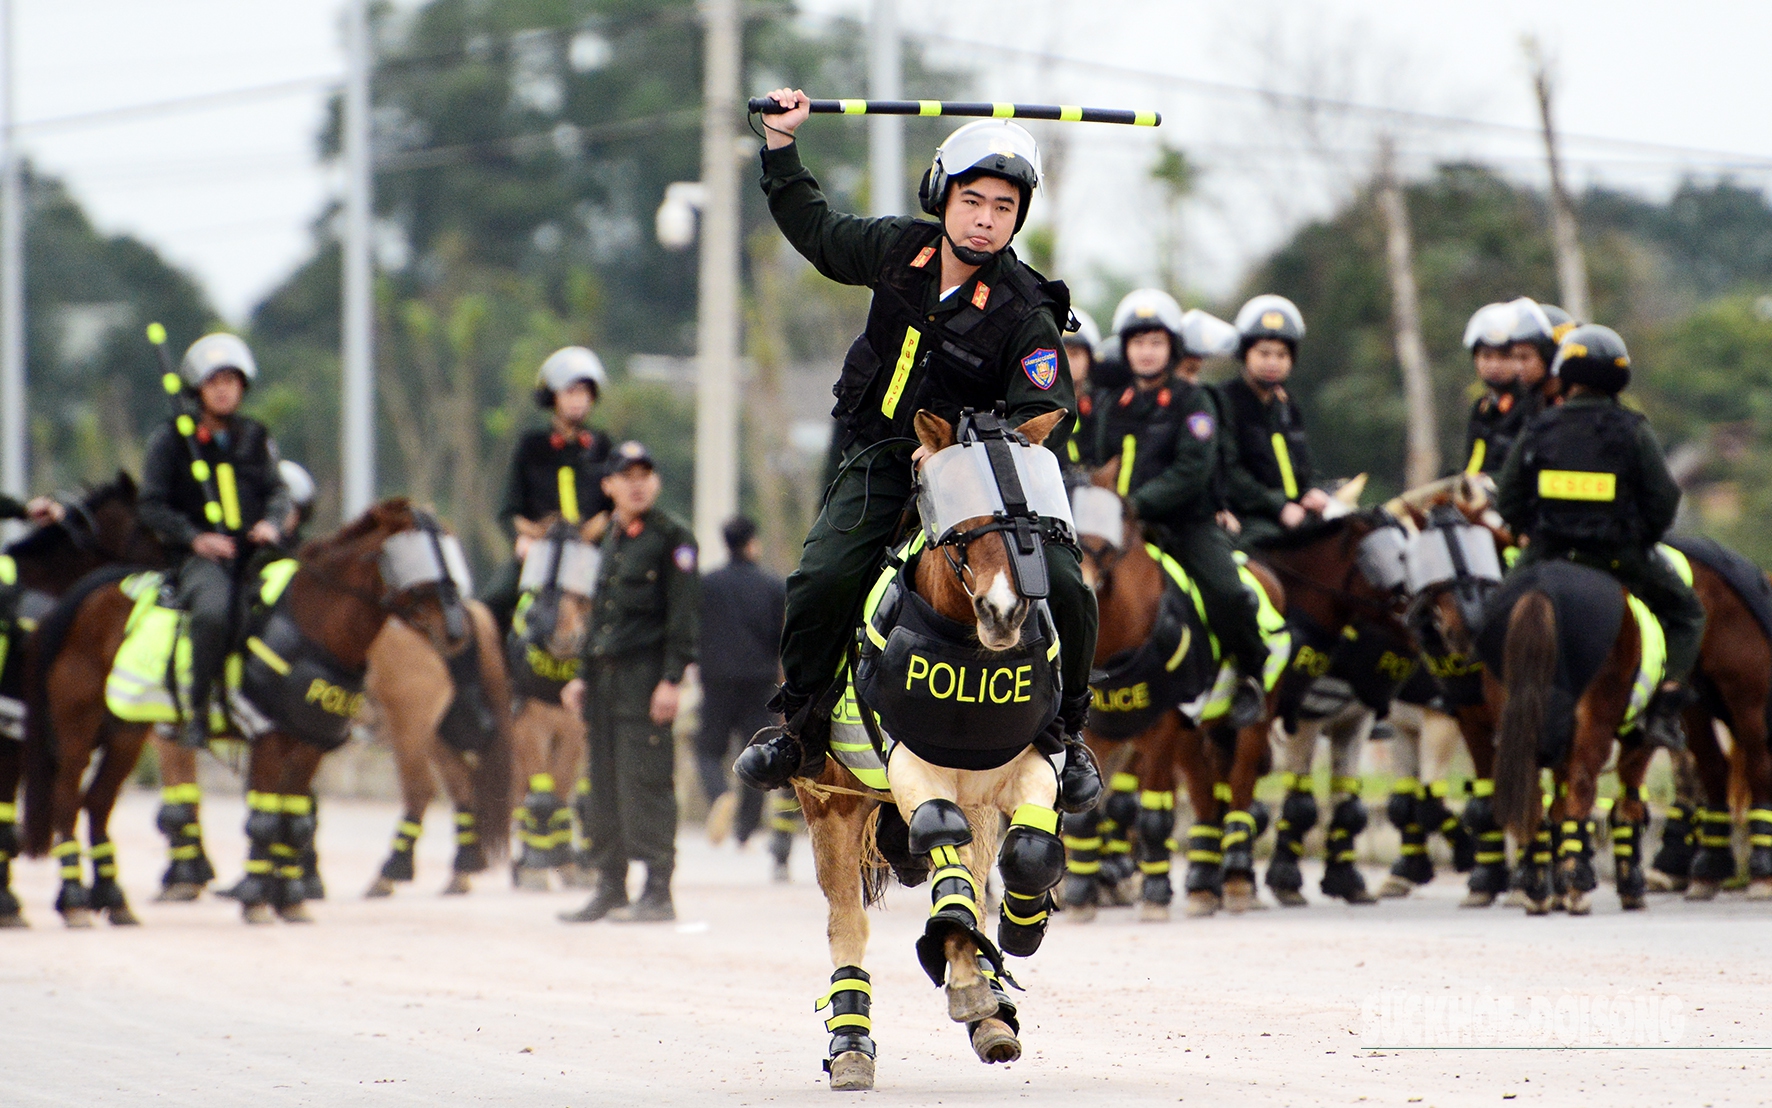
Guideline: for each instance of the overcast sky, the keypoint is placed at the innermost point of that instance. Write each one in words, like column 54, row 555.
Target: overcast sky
column 230, row 190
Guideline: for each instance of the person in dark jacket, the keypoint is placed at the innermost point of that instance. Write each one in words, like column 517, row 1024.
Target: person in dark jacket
column 210, row 487
column 555, row 470
column 1079, row 355
column 1587, row 481
column 1497, row 417
column 741, row 610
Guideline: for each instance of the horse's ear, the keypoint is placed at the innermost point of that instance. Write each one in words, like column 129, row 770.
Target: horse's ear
column 933, row 431
column 1106, row 476
column 1037, row 428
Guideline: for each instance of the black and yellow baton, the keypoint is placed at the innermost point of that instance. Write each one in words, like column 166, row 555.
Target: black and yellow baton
column 1064, row 113
column 221, row 497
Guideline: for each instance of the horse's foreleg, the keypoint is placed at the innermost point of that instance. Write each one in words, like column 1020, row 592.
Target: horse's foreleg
column 1575, row 824
column 77, row 727
column 458, row 782
column 1711, row 860
column 1154, row 831
column 1630, row 821
column 543, row 819
column 836, row 826
column 295, row 828
column 417, row 787
column 1119, row 818
column 1489, row 876
column 1205, row 873
column 180, row 820
column 1298, row 810
column 120, row 754
column 1347, row 813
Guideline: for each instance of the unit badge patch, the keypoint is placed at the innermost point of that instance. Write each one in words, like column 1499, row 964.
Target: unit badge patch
column 1201, row 426
column 684, row 556
column 1041, row 367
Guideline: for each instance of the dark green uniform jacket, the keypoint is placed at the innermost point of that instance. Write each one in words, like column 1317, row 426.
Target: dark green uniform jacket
column 1496, row 420
column 172, row 499
column 1270, row 455
column 994, row 338
column 547, row 464
column 1080, row 449
column 648, row 598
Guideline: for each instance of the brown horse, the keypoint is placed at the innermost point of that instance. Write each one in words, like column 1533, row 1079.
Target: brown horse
column 336, row 600
column 942, row 818
column 548, row 741
column 1220, row 767
column 428, row 716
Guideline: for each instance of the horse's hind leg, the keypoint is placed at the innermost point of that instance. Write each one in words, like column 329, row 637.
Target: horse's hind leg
column 1155, row 839
column 1712, row 860
column 836, row 825
column 544, row 822
column 77, row 723
column 1347, row 813
column 1245, row 820
column 1630, row 822
column 458, row 781
column 417, row 787
column 1205, row 877
column 295, row 828
column 179, row 819
column 120, row 754
column 1298, row 811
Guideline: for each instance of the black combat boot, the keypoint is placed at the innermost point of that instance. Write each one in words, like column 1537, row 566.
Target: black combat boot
column 612, row 893
column 654, row 905
column 797, row 747
column 1662, row 724
column 1248, row 703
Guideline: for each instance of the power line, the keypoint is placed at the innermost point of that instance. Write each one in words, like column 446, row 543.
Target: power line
column 197, row 102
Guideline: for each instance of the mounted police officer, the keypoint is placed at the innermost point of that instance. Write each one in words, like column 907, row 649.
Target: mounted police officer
column 957, row 321
column 1587, row 481
column 641, row 638
column 1079, row 353
column 556, row 469
column 1507, row 404
column 1164, row 430
column 1268, row 486
column 1534, row 347
column 209, row 485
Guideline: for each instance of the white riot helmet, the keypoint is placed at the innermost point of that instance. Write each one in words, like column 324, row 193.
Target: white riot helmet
column 1204, row 335
column 1147, row 310
column 1269, row 316
column 1501, row 325
column 299, row 483
column 1087, row 335
column 566, row 367
column 211, row 354
column 994, row 146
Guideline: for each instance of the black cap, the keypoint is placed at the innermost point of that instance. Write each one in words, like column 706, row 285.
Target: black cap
column 629, row 454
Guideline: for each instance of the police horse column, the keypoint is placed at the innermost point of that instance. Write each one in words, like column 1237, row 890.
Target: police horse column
column 944, row 732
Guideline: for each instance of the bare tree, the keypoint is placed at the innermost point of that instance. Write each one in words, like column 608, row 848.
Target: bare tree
column 1571, row 265
column 1423, row 460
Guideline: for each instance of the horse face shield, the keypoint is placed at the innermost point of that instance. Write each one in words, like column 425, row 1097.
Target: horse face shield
column 556, row 565
column 1452, row 552
column 428, row 557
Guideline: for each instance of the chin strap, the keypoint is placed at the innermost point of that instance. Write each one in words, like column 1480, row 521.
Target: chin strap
column 966, row 253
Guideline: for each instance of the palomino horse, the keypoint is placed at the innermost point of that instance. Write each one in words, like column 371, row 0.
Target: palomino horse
column 443, row 702
column 1131, row 588
column 945, row 819
column 101, row 528
column 335, row 604
column 548, row 741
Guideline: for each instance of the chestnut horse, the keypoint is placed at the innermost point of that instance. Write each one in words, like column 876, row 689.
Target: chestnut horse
column 338, row 602
column 972, row 586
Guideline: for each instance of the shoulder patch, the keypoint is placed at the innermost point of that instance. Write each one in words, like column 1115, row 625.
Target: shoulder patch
column 1041, row 367
column 922, row 258
column 684, row 556
column 1201, row 425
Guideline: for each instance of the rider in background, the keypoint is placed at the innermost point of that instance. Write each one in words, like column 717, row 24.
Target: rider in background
column 957, row 321
column 1497, row 417
column 1268, row 487
column 1539, row 328
column 237, row 454
column 1587, row 482
column 555, row 469
column 1079, row 354
column 1164, row 430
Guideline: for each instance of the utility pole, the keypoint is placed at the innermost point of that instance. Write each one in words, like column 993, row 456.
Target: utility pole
column 1423, row 461
column 13, row 478
column 716, row 394
column 1571, row 265
column 357, row 402
column 885, row 132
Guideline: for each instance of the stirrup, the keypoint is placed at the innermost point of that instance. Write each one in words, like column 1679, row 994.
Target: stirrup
column 1248, row 703
column 771, row 760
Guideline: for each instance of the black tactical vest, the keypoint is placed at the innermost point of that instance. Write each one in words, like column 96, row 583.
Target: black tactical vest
column 1256, row 448
column 1581, row 463
column 908, row 358
column 1155, row 422
column 255, row 473
column 1495, row 423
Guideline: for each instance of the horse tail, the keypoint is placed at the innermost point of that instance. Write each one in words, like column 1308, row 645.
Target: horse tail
column 876, row 871
column 493, row 800
column 1529, row 666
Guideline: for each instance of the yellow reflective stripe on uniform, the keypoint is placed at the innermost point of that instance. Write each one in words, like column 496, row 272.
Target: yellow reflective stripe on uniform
column 8, row 570
column 1682, row 564
column 1573, row 484
column 1128, row 454
column 1071, row 449
column 230, row 495
column 568, row 481
column 268, row 656
column 1284, row 457
column 901, row 373
column 276, row 578
column 1479, row 450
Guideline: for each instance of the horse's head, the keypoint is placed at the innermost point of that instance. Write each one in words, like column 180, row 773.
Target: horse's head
column 560, row 572
column 1453, row 563
column 982, row 586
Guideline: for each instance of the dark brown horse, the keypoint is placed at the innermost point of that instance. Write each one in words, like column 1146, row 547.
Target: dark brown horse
column 336, row 600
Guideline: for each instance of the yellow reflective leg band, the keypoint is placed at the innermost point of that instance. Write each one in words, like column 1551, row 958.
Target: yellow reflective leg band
column 1128, row 455
column 1478, row 450
column 1039, row 817
column 229, row 492
column 541, row 782
column 1284, row 458
column 1123, row 782
column 8, row 813
column 298, row 804
column 568, row 494
column 901, row 373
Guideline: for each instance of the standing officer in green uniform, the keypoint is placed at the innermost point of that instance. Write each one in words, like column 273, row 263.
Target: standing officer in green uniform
column 1079, row 354
column 957, row 321
column 641, row 638
column 235, row 457
column 1164, row 430
column 556, row 469
column 1587, row 481
column 1268, row 487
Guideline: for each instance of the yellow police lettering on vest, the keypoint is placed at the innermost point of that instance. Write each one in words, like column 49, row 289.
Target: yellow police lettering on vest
column 1395, row 666
column 549, row 668
column 1451, row 665
column 918, row 667
column 1311, row 661
column 1128, row 699
column 335, row 699
column 945, row 681
column 935, row 671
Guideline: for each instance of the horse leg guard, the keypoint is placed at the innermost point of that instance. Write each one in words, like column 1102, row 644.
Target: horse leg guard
column 295, row 834
column 1032, row 864
column 1119, row 815
column 1575, row 856
column 784, row 819
column 1156, row 842
column 1298, row 814
column 1082, row 866
column 73, row 898
column 1679, row 843
column 1238, row 844
column 187, row 869
column 1715, row 858
column 536, row 820
column 995, row 1038
column 1205, row 859
column 1489, row 877
column 1407, row 811
column 11, row 911
column 581, row 814
column 398, row 867
column 955, row 912
column 1434, row 815
column 106, row 895
column 850, row 1062
column 1534, row 873
column 1341, row 877
column 1759, row 837
column 1627, row 862
column 470, row 854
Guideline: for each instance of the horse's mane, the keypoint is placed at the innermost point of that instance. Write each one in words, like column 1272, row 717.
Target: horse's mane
column 394, row 514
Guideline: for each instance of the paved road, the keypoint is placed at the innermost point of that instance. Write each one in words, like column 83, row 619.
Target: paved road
column 486, row 999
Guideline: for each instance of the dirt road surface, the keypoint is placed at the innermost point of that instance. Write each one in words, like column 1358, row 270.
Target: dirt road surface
column 486, row 999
